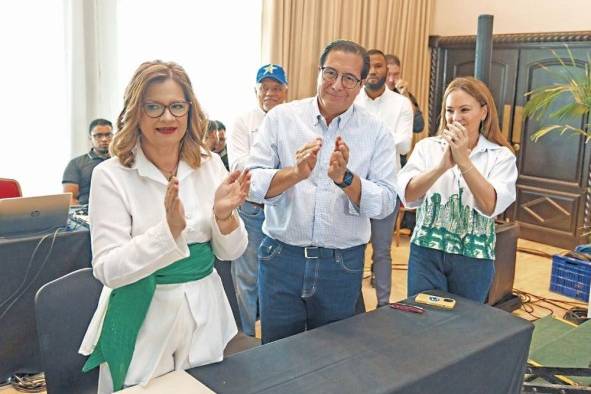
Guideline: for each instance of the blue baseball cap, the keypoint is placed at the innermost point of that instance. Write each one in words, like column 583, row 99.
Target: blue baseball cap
column 273, row 71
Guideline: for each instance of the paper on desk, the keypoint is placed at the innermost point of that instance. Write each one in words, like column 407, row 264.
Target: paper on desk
column 178, row 382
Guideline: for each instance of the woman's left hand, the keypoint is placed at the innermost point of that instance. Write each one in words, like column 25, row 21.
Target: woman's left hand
column 457, row 137
column 231, row 193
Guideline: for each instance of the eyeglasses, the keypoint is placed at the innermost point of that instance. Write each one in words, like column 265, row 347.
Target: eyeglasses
column 99, row 136
column 349, row 81
column 177, row 109
column 273, row 89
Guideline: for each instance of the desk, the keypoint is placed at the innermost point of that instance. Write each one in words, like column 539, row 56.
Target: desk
column 472, row 349
column 19, row 350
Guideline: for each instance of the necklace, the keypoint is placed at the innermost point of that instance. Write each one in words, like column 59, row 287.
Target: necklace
column 168, row 174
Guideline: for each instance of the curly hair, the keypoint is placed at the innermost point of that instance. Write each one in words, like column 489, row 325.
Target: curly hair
column 128, row 121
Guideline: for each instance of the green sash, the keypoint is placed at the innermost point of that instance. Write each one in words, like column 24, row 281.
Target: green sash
column 129, row 304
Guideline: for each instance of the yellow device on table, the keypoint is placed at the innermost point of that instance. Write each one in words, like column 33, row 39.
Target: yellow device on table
column 436, row 301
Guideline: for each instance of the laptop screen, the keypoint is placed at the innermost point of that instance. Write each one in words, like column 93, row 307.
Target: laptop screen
column 27, row 215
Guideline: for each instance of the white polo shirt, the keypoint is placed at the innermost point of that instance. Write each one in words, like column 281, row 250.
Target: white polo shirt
column 241, row 137
column 447, row 216
column 395, row 111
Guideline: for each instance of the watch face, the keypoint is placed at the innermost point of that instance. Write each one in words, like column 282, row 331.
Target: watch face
column 348, row 178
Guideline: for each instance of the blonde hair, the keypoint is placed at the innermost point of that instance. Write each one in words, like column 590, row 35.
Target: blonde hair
column 126, row 138
column 490, row 125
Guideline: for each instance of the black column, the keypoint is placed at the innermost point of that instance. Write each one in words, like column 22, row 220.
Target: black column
column 484, row 46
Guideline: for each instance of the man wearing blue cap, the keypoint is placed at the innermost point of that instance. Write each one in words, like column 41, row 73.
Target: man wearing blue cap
column 324, row 167
column 270, row 90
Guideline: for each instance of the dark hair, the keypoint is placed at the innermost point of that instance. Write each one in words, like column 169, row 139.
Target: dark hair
column 376, row 52
column 212, row 125
column 392, row 59
column 350, row 47
column 99, row 122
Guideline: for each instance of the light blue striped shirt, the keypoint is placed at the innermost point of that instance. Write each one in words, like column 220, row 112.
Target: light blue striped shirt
column 315, row 211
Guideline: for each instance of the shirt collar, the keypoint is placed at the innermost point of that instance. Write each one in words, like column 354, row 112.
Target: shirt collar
column 363, row 94
column 93, row 155
column 341, row 120
column 147, row 169
column 484, row 144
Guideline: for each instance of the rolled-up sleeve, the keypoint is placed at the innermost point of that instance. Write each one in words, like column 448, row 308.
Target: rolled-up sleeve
column 378, row 191
column 414, row 167
column 264, row 162
column 502, row 177
column 228, row 246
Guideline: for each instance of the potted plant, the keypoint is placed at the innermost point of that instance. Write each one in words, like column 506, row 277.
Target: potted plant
column 576, row 85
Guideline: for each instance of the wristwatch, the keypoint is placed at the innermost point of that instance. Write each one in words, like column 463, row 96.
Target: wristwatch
column 347, row 179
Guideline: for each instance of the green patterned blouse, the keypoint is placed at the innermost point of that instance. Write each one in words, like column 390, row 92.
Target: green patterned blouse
column 454, row 228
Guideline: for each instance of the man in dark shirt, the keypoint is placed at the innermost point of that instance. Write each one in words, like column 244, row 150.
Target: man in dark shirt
column 76, row 179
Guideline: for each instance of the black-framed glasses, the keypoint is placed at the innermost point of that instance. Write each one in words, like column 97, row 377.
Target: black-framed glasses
column 177, row 109
column 349, row 81
column 98, row 136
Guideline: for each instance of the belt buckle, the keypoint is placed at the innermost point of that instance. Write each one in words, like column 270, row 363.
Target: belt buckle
column 306, row 252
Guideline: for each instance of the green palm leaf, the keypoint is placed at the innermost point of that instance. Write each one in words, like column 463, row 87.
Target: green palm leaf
column 575, row 87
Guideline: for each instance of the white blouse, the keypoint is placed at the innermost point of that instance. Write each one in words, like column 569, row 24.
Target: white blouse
column 131, row 240
column 448, row 218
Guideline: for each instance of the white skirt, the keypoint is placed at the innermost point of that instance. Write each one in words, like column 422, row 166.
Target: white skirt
column 187, row 325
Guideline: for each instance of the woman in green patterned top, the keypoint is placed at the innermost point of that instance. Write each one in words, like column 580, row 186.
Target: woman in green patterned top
column 459, row 180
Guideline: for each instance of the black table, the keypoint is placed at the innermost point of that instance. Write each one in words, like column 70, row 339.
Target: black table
column 19, row 349
column 472, row 349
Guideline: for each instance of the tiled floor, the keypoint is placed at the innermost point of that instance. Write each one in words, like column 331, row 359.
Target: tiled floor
column 532, row 276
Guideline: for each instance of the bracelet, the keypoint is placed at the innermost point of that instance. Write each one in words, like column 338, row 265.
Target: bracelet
column 223, row 219
column 468, row 170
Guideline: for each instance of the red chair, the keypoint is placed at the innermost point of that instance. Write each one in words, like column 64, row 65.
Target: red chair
column 9, row 188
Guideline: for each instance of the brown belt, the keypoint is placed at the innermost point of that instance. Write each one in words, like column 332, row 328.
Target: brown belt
column 256, row 203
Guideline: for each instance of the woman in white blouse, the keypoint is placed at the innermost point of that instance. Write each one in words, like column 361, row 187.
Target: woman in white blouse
column 459, row 180
column 160, row 209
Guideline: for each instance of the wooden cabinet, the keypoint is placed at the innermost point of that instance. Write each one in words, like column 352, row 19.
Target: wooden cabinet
column 552, row 204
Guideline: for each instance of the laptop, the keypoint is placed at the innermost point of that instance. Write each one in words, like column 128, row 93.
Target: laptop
column 29, row 215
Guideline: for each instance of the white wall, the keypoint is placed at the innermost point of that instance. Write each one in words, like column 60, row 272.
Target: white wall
column 460, row 17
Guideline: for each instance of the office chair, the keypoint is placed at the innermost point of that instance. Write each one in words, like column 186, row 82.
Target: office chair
column 9, row 188
column 63, row 309
column 241, row 341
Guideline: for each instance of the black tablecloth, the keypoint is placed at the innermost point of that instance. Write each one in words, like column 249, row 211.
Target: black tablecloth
column 471, row 349
column 19, row 350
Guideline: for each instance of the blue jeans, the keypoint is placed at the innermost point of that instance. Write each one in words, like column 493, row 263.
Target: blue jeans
column 381, row 243
column 430, row 269
column 304, row 288
column 245, row 269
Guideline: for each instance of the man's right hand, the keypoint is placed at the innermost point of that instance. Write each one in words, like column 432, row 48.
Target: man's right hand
column 402, row 87
column 306, row 158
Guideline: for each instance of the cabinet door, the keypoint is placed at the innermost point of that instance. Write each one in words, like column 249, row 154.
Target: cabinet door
column 460, row 63
column 553, row 172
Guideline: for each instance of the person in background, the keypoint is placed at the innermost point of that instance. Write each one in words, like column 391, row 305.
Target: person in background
column 78, row 172
column 324, row 167
column 395, row 83
column 215, row 140
column 395, row 111
column 270, row 91
column 160, row 209
column 459, row 181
